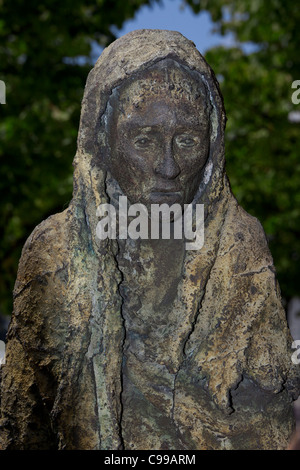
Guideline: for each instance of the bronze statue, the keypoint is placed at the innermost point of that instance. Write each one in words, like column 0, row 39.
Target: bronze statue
column 122, row 343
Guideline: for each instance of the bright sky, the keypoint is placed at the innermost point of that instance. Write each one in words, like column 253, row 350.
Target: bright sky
column 170, row 15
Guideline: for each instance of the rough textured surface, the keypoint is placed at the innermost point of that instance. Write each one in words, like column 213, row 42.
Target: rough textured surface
column 142, row 344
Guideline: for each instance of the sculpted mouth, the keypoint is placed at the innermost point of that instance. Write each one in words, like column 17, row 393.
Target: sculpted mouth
column 168, row 190
column 165, row 196
column 165, row 192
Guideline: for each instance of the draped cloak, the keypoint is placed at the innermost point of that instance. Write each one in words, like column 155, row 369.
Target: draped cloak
column 141, row 344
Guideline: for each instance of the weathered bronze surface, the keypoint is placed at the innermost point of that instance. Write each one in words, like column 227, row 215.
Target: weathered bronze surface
column 142, row 344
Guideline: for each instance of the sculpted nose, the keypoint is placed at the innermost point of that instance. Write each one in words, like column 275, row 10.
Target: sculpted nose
column 168, row 168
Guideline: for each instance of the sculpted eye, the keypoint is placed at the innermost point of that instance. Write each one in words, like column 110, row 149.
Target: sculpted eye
column 186, row 141
column 142, row 142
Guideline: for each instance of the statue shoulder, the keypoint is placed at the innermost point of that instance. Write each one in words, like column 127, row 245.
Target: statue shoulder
column 44, row 256
column 245, row 233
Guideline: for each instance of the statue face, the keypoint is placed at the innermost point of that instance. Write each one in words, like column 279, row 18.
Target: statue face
column 159, row 138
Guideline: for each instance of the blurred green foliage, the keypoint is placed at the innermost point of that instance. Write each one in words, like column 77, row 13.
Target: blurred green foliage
column 45, row 56
column 262, row 145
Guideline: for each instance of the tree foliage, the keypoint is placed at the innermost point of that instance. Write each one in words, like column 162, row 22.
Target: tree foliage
column 262, row 144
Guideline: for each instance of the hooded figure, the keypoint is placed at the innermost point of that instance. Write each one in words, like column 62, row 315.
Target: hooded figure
column 141, row 343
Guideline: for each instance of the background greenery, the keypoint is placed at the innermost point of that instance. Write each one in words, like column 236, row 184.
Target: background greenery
column 45, row 55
